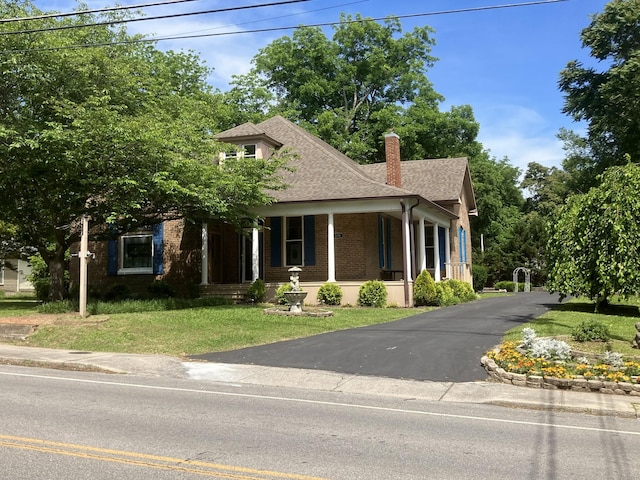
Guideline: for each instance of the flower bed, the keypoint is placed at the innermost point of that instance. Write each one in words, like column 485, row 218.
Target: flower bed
column 511, row 364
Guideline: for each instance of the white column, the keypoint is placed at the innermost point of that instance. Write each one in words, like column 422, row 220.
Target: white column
column 407, row 240
column 331, row 249
column 437, row 274
column 204, row 253
column 255, row 254
column 447, row 242
column 422, row 257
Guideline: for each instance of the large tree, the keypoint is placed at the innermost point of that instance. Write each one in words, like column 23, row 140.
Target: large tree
column 352, row 88
column 608, row 100
column 593, row 247
column 121, row 133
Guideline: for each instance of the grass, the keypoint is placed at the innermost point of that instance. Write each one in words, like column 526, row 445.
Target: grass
column 620, row 318
column 191, row 331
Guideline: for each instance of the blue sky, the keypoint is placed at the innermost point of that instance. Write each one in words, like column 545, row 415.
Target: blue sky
column 504, row 62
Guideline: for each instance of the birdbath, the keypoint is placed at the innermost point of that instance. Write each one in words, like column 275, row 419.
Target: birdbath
column 295, row 297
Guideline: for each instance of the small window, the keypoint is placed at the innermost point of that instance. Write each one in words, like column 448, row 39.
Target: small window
column 137, row 253
column 294, row 241
column 245, row 151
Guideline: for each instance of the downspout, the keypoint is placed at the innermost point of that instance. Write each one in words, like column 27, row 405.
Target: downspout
column 407, row 214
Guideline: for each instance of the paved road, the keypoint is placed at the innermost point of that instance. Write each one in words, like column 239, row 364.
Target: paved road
column 442, row 345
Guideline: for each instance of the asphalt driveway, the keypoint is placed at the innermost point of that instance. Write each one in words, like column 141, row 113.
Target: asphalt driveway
column 441, row 345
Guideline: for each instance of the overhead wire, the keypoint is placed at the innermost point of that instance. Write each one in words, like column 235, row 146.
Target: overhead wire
column 293, row 27
column 142, row 19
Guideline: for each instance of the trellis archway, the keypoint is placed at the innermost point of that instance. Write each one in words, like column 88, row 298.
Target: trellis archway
column 527, row 278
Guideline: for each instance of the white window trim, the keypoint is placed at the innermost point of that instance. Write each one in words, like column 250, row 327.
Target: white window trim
column 242, row 152
column 122, row 270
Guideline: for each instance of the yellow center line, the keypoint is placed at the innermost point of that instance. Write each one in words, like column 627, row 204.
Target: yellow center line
column 146, row 460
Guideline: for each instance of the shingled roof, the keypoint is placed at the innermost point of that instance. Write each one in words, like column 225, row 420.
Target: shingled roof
column 321, row 172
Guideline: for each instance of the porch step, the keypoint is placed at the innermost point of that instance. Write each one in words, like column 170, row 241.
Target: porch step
column 236, row 292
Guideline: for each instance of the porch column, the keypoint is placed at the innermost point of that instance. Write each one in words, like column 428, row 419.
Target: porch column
column 422, row 257
column 255, row 254
column 437, row 274
column 331, row 249
column 447, row 242
column 406, row 238
column 204, row 254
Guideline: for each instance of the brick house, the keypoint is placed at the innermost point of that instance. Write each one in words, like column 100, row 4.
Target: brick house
column 337, row 220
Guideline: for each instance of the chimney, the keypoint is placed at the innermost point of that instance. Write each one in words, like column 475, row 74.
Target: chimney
column 392, row 153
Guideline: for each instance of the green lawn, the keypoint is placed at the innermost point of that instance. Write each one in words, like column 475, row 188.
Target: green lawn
column 195, row 330
column 620, row 319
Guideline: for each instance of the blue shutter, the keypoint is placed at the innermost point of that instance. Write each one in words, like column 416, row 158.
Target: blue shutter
column 380, row 242
column 112, row 257
column 460, row 232
column 158, row 249
column 276, row 241
column 309, row 240
column 464, row 246
column 442, row 245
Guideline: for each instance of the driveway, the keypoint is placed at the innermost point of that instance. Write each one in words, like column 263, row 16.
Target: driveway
column 441, row 345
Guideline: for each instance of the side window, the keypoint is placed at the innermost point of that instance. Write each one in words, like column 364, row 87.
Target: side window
column 384, row 242
column 294, row 244
column 137, row 252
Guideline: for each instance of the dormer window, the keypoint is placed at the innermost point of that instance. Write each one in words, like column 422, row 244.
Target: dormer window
column 245, row 151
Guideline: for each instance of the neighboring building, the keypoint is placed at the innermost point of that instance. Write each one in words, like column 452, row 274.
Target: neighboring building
column 337, row 220
column 14, row 274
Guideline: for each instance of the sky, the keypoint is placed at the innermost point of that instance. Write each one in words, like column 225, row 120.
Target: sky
column 504, row 62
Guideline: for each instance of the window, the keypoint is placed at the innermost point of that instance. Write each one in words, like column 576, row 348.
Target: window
column 430, row 250
column 246, row 151
column 294, row 241
column 137, row 253
column 384, row 242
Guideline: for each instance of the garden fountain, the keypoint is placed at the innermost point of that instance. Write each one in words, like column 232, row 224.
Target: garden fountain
column 295, row 297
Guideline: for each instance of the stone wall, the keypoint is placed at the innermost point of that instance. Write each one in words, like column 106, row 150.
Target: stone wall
column 578, row 384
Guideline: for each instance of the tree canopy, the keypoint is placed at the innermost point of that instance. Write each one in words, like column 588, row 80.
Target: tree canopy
column 609, row 99
column 593, row 247
column 351, row 89
column 121, row 133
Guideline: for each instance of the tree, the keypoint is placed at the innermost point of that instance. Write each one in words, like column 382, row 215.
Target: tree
column 608, row 100
column 593, row 247
column 121, row 133
column 351, row 89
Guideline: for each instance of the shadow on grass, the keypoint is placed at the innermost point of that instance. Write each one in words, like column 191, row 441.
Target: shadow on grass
column 616, row 310
column 18, row 305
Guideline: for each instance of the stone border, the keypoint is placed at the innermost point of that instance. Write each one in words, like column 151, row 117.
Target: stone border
column 306, row 312
column 578, row 384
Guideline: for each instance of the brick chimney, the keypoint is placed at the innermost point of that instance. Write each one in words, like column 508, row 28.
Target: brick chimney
column 392, row 153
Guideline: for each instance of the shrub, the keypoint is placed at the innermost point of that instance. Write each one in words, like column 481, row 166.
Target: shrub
column 547, row 348
column 330, row 294
column 462, row 290
column 161, row 289
column 372, row 293
column 590, row 331
column 256, row 291
column 505, row 285
column 444, row 294
column 280, row 298
column 117, row 293
column 424, row 290
column 39, row 277
column 480, row 275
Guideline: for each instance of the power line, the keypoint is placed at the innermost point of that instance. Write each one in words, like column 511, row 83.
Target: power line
column 97, row 10
column 274, row 29
column 141, row 19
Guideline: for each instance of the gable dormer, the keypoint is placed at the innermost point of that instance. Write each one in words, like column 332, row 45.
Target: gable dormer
column 249, row 142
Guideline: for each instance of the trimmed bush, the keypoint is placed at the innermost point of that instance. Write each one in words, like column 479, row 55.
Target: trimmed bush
column 424, row 290
column 117, row 293
column 461, row 290
column 160, row 289
column 256, row 291
column 444, row 294
column 330, row 294
column 480, row 275
column 280, row 298
column 504, row 285
column 590, row 331
column 372, row 293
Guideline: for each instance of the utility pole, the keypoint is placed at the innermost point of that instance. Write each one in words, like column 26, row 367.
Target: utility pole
column 84, row 256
